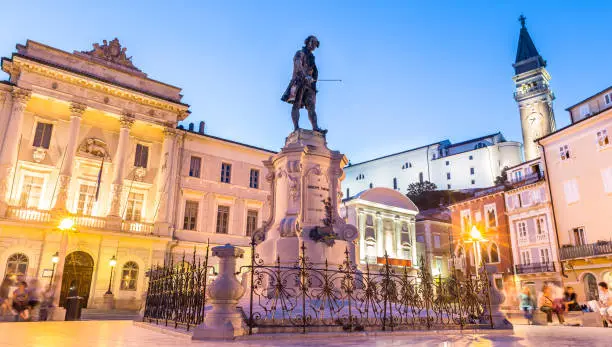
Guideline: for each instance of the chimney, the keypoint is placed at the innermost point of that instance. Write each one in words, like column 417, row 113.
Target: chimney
column 201, row 129
column 181, row 126
column 190, row 126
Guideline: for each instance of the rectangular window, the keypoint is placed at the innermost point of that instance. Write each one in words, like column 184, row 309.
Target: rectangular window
column 438, row 264
column 222, row 219
column 471, row 157
column 436, row 241
column 31, row 191
column 606, row 177
column 87, row 195
column 420, row 177
column 473, row 181
column 579, row 237
column 194, row 166
column 448, row 186
column 133, row 211
column 564, row 152
column 472, row 171
column 541, row 225
column 42, row 137
column 602, row 138
column 522, row 230
column 251, row 223
column 525, row 257
column 584, row 111
column 142, row 156
column 608, row 98
column 544, row 256
column 447, row 163
column 394, row 183
column 570, row 188
column 190, row 220
column 420, row 238
column 226, row 172
column 254, row 179
column 448, row 176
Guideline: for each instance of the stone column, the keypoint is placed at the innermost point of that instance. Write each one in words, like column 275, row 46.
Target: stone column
column 380, row 238
column 76, row 111
column 361, row 220
column 127, row 120
column 59, row 313
column 413, row 243
column 165, row 186
column 224, row 321
column 10, row 147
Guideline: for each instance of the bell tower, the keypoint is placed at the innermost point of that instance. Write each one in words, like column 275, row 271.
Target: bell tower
column 532, row 93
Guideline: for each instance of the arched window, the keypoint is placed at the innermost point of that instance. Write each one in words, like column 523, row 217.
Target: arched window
column 590, row 287
column 485, row 257
column 494, row 251
column 129, row 276
column 17, row 264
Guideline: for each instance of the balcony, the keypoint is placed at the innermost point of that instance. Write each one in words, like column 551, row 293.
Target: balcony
column 525, row 180
column 543, row 237
column 32, row 215
column 535, row 268
column 529, row 91
column 586, row 251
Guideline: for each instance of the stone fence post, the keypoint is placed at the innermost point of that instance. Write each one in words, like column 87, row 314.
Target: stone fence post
column 224, row 321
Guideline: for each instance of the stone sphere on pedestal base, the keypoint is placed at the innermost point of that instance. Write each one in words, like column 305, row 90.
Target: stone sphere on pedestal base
column 305, row 177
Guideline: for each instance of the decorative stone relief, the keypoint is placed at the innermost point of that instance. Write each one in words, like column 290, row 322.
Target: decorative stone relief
column 94, row 147
column 77, row 109
column 20, row 98
column 127, row 120
column 62, row 193
column 116, row 199
column 39, row 154
column 139, row 173
column 111, row 52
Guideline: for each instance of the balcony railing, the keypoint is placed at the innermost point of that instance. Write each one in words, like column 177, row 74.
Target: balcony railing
column 542, row 237
column 137, row 227
column 32, row 215
column 535, row 268
column 585, row 251
column 527, row 179
column 28, row 214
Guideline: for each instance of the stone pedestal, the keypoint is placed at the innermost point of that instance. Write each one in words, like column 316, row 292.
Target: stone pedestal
column 108, row 302
column 303, row 176
column 224, row 321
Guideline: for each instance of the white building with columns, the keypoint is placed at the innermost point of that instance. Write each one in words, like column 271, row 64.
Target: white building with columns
column 385, row 219
column 474, row 163
column 89, row 137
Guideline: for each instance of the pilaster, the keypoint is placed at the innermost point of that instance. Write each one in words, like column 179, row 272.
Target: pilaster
column 126, row 120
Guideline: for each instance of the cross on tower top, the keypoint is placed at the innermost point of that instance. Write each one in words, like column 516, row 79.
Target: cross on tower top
column 522, row 20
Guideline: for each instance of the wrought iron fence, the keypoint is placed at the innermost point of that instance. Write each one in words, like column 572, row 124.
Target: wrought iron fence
column 311, row 297
column 177, row 292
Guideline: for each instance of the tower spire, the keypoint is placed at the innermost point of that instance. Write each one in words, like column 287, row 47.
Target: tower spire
column 527, row 56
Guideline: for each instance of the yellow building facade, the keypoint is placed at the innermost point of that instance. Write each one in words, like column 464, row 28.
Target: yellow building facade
column 89, row 138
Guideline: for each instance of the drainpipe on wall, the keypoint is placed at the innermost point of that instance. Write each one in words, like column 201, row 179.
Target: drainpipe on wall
column 547, row 177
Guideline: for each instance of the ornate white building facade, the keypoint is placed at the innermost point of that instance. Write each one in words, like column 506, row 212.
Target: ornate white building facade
column 88, row 137
column 469, row 164
column 385, row 220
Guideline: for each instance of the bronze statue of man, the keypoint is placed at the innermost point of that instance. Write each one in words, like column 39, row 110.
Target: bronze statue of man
column 302, row 90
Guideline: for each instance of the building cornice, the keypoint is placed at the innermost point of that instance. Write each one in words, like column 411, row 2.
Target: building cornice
column 81, row 80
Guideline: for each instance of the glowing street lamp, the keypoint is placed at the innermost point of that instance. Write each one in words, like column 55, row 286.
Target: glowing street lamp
column 112, row 264
column 66, row 224
column 475, row 237
column 54, row 260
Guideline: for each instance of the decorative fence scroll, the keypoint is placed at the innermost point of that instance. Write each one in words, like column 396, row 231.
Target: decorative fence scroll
column 313, row 297
column 177, row 292
column 316, row 297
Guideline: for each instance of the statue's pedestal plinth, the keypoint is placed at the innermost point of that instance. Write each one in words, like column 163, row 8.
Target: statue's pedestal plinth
column 304, row 175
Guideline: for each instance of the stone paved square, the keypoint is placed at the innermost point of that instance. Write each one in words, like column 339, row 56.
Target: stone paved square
column 125, row 333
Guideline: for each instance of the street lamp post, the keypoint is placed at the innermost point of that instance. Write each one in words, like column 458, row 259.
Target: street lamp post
column 54, row 260
column 476, row 238
column 112, row 264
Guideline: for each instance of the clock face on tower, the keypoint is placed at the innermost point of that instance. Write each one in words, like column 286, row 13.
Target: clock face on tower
column 534, row 122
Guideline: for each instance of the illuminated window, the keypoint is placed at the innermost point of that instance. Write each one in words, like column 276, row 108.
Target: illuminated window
column 133, row 210
column 602, row 138
column 564, row 152
column 251, row 222
column 87, row 195
column 17, row 264
column 129, row 276
column 31, row 191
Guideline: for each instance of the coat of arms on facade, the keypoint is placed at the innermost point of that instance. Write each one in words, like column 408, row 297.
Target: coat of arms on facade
column 113, row 52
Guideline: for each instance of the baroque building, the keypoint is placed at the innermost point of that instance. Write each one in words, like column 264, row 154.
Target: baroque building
column 470, row 164
column 532, row 93
column 94, row 169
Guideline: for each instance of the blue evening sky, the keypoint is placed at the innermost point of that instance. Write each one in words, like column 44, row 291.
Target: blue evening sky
column 414, row 72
